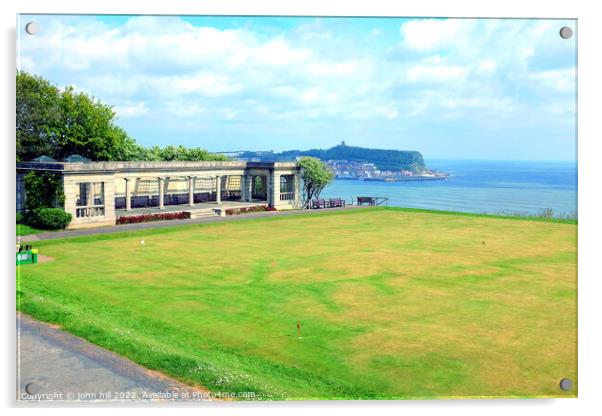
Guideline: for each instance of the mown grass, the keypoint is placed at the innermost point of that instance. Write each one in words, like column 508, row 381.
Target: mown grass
column 24, row 229
column 393, row 303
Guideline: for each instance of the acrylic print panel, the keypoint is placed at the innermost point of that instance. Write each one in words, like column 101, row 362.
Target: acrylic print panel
column 268, row 208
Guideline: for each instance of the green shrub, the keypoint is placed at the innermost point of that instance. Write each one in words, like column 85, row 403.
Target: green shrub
column 20, row 218
column 49, row 218
column 43, row 189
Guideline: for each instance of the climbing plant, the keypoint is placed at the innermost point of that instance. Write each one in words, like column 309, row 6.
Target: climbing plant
column 43, row 190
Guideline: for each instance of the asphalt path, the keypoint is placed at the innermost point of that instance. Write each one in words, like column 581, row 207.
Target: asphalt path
column 55, row 366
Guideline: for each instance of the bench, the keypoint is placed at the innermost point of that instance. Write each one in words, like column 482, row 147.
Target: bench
column 361, row 200
column 327, row 203
column 318, row 204
column 336, row 203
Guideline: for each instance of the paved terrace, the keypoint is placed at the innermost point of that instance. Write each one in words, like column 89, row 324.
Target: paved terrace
column 162, row 224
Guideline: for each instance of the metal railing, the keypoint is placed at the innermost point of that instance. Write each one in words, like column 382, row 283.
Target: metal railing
column 371, row 200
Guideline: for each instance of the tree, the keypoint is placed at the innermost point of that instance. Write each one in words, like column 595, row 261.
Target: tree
column 316, row 176
column 44, row 190
column 60, row 123
column 171, row 153
column 37, row 105
column 87, row 128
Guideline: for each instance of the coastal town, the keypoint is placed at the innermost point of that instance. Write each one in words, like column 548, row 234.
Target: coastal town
column 367, row 171
column 354, row 163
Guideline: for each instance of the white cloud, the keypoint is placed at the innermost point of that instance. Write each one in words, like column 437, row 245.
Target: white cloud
column 184, row 108
column 486, row 66
column 131, row 110
column 199, row 74
column 376, row 32
column 497, row 105
column 436, row 73
column 562, row 80
column 433, row 34
column 332, row 68
column 205, row 83
column 278, row 52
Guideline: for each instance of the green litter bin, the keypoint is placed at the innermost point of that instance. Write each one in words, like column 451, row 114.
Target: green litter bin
column 27, row 256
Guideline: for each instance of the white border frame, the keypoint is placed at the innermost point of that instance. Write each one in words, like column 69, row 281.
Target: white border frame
column 590, row 278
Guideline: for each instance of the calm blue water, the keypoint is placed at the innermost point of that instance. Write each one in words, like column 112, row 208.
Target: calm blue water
column 478, row 186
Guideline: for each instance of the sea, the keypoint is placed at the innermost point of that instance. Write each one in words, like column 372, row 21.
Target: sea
column 493, row 187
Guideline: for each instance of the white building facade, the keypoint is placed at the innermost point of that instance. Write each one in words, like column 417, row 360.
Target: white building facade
column 97, row 193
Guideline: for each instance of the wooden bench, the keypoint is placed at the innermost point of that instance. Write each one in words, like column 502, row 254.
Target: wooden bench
column 318, row 204
column 361, row 200
column 336, row 203
column 372, row 200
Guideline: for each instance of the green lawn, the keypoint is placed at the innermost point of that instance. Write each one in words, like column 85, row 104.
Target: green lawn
column 23, row 229
column 392, row 303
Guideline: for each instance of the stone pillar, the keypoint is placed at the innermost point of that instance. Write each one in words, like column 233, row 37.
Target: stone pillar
column 161, row 193
column 275, row 189
column 128, row 195
column 109, row 198
column 243, row 188
column 218, row 189
column 297, row 185
column 268, row 188
column 90, row 195
column 71, row 190
column 249, row 185
column 191, row 190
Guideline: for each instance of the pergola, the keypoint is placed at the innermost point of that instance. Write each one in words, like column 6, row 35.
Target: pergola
column 95, row 192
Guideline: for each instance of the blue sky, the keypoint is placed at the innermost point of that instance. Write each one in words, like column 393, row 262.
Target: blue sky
column 450, row 88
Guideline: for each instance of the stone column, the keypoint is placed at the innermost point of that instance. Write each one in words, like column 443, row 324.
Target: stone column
column 268, row 189
column 297, row 185
column 90, row 195
column 275, row 189
column 243, row 188
column 71, row 190
column 218, row 189
column 249, row 185
column 128, row 195
column 161, row 193
column 191, row 190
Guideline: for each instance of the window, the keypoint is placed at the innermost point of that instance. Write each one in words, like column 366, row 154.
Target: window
column 84, row 191
column 90, row 200
column 233, row 183
column 287, row 183
column 204, row 184
column 99, row 193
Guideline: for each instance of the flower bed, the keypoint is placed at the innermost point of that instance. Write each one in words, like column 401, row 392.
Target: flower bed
column 248, row 210
column 162, row 216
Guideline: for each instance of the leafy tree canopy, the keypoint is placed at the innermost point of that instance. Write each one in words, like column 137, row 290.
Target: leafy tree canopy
column 60, row 123
column 182, row 153
column 315, row 175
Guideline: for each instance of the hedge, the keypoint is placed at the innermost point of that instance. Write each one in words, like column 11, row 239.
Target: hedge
column 247, row 210
column 49, row 218
column 133, row 219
